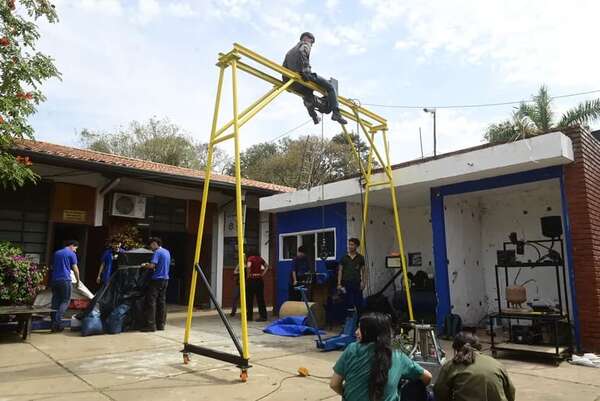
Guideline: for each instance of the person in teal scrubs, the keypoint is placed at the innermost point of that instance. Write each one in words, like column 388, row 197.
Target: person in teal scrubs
column 369, row 369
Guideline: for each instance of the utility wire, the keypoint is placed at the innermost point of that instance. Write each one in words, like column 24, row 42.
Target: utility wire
column 468, row 106
column 286, row 133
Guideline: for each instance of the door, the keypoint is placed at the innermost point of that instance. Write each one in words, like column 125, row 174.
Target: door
column 308, row 242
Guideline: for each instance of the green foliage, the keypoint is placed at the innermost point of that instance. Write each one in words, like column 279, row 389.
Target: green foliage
column 304, row 162
column 22, row 72
column 155, row 140
column 20, row 278
column 537, row 117
column 129, row 237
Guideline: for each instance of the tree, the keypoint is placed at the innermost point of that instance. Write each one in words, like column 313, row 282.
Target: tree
column 537, row 117
column 22, row 72
column 302, row 163
column 155, row 140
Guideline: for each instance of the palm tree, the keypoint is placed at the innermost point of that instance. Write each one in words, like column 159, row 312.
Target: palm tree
column 536, row 117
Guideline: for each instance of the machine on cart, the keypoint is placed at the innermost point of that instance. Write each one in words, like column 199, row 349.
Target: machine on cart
column 537, row 329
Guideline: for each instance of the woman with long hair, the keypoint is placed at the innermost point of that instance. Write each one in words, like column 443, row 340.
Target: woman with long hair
column 369, row 369
column 471, row 375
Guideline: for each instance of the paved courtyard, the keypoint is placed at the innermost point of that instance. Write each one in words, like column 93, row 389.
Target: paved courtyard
column 148, row 366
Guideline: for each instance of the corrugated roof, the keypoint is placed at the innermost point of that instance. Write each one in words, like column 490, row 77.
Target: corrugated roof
column 107, row 159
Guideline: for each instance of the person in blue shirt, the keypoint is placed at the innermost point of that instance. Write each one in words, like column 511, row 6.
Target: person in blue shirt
column 370, row 369
column 107, row 260
column 63, row 261
column 156, row 292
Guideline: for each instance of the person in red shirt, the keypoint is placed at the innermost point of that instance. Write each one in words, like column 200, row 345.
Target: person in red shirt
column 255, row 286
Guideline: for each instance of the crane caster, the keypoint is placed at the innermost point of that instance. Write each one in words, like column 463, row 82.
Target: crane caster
column 244, row 376
column 186, row 358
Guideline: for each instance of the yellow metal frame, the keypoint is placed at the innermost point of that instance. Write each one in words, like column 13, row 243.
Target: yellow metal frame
column 372, row 125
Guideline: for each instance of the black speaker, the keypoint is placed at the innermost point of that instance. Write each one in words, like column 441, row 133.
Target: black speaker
column 551, row 226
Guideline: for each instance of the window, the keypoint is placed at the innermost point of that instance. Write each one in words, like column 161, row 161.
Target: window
column 289, row 246
column 319, row 244
column 326, row 244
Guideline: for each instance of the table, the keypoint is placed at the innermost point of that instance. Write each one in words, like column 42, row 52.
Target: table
column 24, row 314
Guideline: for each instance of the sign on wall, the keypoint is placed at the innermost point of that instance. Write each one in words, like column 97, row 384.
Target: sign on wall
column 74, row 216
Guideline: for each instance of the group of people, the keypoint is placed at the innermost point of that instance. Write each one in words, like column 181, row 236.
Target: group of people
column 370, row 369
column 65, row 260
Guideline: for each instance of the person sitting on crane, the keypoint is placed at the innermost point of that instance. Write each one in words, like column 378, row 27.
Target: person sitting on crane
column 298, row 59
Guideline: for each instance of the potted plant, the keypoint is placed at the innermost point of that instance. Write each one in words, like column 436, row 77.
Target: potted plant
column 20, row 278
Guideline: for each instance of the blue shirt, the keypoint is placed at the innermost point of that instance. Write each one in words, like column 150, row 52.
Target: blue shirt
column 107, row 259
column 162, row 260
column 61, row 264
column 300, row 266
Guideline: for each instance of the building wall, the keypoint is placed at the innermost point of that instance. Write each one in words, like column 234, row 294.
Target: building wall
column 381, row 240
column 332, row 216
column 582, row 187
column 465, row 272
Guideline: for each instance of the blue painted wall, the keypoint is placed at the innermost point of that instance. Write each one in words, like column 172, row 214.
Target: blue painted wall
column 442, row 284
column 315, row 218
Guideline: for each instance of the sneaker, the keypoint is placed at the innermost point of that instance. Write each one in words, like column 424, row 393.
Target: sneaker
column 336, row 116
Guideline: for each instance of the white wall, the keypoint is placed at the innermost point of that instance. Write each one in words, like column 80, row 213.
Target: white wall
column 381, row 239
column 520, row 211
column 476, row 226
column 463, row 244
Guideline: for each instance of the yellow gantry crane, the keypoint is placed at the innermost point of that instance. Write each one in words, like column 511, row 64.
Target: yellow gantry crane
column 374, row 128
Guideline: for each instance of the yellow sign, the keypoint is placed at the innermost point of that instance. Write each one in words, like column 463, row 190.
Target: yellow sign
column 77, row 216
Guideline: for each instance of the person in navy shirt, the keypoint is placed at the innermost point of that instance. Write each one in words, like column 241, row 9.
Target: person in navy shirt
column 63, row 262
column 156, row 292
column 108, row 258
column 300, row 267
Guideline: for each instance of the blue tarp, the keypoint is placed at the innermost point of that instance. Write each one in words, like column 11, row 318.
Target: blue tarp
column 291, row 326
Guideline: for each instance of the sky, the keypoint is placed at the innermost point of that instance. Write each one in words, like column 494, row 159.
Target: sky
column 124, row 60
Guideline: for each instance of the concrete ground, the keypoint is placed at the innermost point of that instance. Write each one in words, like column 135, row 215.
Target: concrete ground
column 148, row 366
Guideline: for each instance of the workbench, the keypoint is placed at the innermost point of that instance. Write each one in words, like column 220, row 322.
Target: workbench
column 24, row 315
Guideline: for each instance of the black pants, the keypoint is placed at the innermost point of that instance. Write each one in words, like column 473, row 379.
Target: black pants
column 331, row 95
column 323, row 83
column 255, row 287
column 156, row 304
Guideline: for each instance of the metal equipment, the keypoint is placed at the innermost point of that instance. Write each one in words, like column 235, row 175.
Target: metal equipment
column 374, row 128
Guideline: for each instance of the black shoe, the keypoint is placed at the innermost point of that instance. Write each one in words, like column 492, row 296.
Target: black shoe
column 262, row 319
column 147, row 330
column 336, row 116
column 232, row 314
column 57, row 329
column 160, row 328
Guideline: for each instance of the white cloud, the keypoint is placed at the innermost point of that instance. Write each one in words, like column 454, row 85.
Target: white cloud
column 147, row 10
column 526, row 42
column 332, row 4
column 182, row 10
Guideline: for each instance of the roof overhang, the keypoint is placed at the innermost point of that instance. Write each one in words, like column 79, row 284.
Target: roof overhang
column 114, row 171
column 414, row 181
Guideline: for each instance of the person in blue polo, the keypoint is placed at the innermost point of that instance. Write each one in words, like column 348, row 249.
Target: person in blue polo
column 107, row 260
column 63, row 262
column 156, row 293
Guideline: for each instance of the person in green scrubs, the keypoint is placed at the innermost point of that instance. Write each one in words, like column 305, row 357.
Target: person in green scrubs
column 471, row 375
column 369, row 369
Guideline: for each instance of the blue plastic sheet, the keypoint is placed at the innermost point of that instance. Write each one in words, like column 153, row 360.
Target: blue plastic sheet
column 92, row 324
column 291, row 326
column 114, row 321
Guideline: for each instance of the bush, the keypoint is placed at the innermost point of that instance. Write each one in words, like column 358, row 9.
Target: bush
column 20, row 278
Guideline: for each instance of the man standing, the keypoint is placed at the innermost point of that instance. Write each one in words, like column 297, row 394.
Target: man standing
column 300, row 267
column 298, row 59
column 257, row 268
column 351, row 275
column 63, row 261
column 156, row 294
column 108, row 258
